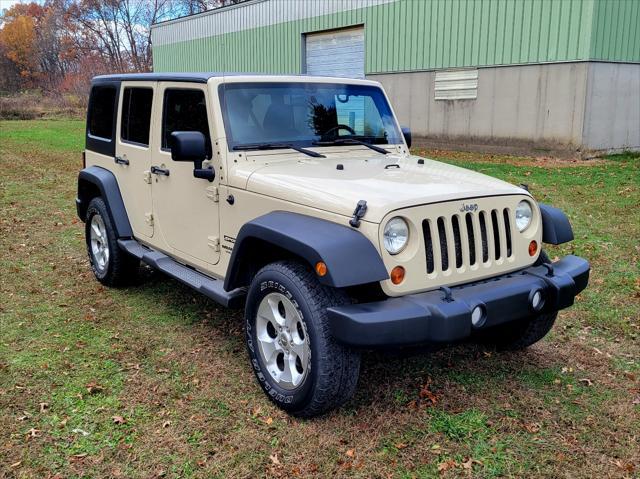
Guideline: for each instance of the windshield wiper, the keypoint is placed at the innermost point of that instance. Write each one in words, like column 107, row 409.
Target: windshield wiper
column 277, row 146
column 350, row 141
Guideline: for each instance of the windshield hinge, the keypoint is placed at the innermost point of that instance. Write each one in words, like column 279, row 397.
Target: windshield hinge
column 358, row 213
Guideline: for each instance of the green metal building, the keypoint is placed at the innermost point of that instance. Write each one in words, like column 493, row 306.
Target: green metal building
column 542, row 73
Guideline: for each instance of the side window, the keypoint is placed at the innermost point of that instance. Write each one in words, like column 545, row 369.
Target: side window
column 136, row 115
column 101, row 110
column 184, row 110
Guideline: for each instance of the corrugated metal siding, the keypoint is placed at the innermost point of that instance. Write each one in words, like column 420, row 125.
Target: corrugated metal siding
column 616, row 31
column 403, row 35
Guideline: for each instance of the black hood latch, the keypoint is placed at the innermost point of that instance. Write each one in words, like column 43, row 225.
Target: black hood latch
column 358, row 213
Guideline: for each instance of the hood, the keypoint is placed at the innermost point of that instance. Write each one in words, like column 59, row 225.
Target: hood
column 387, row 183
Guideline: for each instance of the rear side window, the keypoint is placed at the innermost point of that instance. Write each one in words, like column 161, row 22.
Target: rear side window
column 184, row 110
column 136, row 115
column 101, row 111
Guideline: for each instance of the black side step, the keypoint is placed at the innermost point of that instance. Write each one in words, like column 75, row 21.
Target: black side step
column 210, row 287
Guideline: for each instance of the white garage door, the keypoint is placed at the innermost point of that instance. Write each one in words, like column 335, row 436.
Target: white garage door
column 339, row 53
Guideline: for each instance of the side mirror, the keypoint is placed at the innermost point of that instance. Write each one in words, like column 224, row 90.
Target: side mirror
column 191, row 146
column 406, row 132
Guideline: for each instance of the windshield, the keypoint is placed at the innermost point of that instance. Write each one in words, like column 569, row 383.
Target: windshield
column 303, row 114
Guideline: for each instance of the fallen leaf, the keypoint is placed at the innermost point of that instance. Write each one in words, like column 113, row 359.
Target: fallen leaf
column 426, row 394
column 268, row 421
column 33, row 432
column 119, row 420
column 275, row 460
column 15, row 464
column 586, row 381
column 351, row 452
column 401, row 445
column 166, row 424
column 94, row 388
column 532, row 427
column 44, row 406
column 446, row 465
column 470, row 462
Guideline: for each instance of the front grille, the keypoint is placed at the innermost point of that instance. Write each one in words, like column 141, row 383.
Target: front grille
column 461, row 240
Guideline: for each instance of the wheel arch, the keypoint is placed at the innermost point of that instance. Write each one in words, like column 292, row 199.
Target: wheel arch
column 556, row 228
column 350, row 257
column 95, row 181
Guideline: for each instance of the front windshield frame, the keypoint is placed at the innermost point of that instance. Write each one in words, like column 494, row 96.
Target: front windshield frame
column 391, row 128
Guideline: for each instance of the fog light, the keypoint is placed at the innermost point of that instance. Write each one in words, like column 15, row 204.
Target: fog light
column 537, row 300
column 478, row 316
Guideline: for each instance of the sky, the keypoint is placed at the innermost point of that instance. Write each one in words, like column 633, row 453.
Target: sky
column 8, row 3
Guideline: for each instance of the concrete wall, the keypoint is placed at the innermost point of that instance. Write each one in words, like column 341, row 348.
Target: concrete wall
column 522, row 105
column 561, row 106
column 612, row 110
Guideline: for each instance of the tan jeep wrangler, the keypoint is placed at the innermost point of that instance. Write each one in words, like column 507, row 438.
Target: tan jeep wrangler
column 297, row 198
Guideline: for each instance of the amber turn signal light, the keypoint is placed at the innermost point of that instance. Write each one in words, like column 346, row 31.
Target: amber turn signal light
column 397, row 275
column 533, row 248
column 321, row 268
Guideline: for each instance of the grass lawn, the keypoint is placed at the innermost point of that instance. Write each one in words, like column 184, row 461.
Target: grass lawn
column 153, row 381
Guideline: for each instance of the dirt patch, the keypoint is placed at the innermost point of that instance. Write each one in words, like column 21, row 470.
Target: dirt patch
column 525, row 161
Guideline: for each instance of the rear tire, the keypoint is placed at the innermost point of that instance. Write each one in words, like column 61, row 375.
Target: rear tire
column 298, row 364
column 111, row 265
column 520, row 335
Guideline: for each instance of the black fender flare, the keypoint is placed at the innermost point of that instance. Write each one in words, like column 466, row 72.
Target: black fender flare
column 350, row 257
column 556, row 228
column 95, row 179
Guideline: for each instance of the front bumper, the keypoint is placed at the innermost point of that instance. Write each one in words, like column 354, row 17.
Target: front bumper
column 445, row 315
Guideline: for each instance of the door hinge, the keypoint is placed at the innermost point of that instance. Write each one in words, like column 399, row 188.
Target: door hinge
column 214, row 242
column 213, row 194
column 147, row 177
column 148, row 218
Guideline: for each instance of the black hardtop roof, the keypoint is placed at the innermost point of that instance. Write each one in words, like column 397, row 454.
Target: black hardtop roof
column 201, row 77
column 195, row 77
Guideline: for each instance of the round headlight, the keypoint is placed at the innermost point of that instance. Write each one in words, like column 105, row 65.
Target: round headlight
column 524, row 213
column 396, row 235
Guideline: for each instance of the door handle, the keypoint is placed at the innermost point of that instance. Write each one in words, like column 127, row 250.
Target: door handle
column 156, row 170
column 121, row 161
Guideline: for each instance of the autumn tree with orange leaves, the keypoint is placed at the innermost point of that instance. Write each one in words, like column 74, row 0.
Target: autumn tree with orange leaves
column 59, row 45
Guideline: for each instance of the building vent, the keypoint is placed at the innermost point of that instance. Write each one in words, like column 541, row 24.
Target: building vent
column 456, row 85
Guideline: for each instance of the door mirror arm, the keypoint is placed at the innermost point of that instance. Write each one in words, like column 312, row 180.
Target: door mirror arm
column 203, row 173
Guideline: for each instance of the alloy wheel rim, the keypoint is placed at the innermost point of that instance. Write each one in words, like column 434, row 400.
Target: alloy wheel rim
column 99, row 243
column 283, row 341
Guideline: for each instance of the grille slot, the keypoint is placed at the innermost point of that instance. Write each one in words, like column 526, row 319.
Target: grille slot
column 444, row 251
column 457, row 241
column 465, row 241
column 472, row 238
column 483, row 233
column 496, row 233
column 507, row 227
column 426, row 230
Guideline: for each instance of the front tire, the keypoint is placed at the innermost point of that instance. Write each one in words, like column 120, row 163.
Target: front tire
column 298, row 364
column 111, row 265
